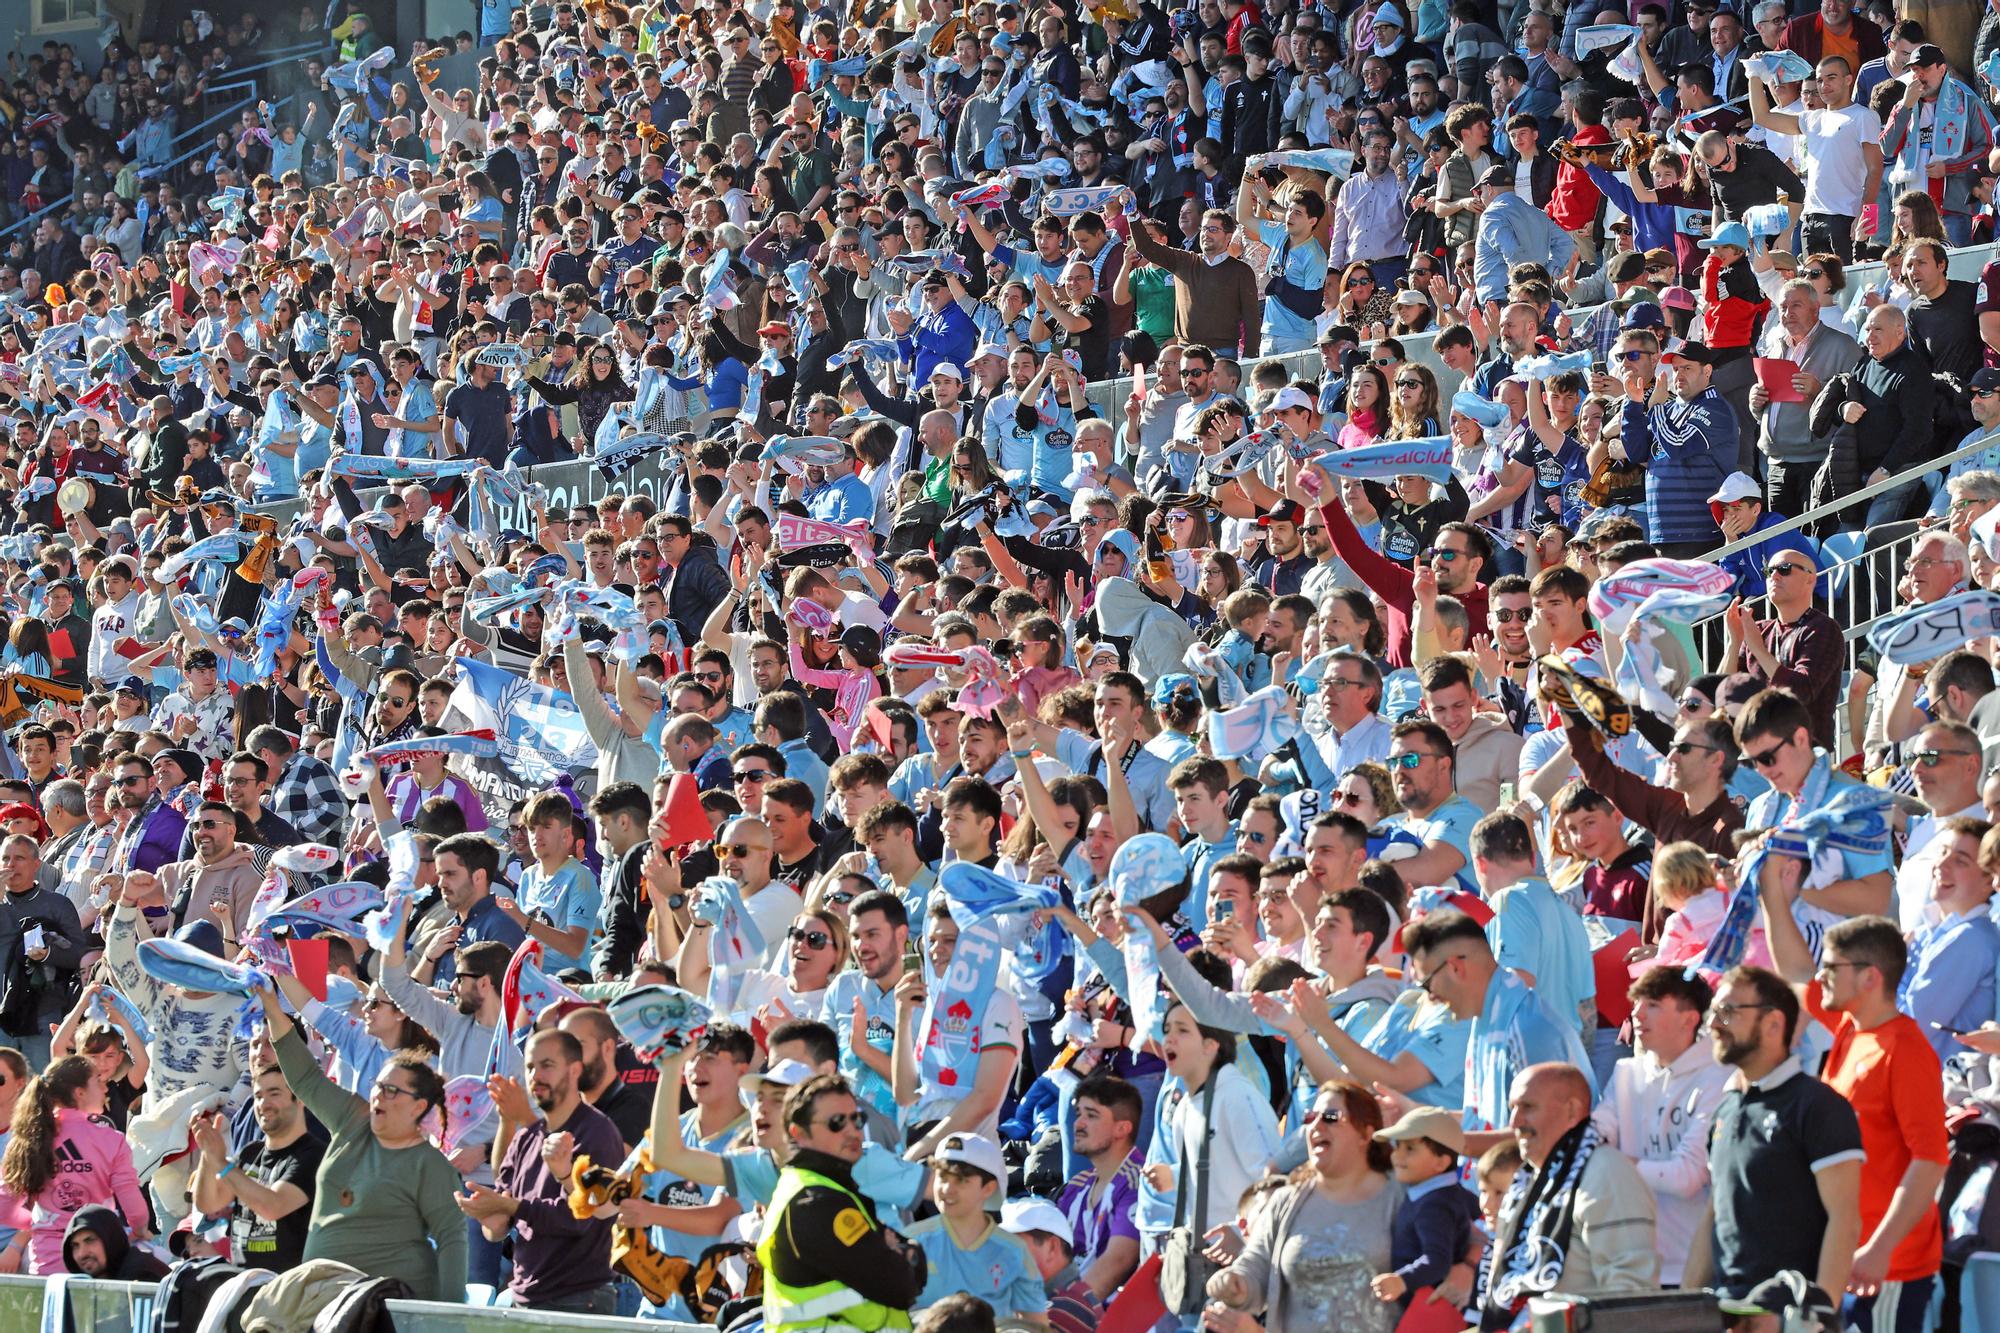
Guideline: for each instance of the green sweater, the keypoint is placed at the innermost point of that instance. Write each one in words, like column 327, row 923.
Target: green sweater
column 389, row 1212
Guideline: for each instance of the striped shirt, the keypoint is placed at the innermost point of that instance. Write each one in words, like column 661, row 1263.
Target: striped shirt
column 1099, row 1216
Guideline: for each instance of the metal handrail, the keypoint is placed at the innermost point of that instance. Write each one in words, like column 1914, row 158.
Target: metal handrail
column 201, row 148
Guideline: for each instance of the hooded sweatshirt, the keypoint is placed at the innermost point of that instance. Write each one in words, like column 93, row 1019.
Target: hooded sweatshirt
column 191, row 887
column 123, row 1262
column 93, row 1165
column 1489, row 753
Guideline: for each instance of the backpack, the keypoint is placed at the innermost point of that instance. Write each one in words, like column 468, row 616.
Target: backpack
column 186, row 1291
column 362, row 1307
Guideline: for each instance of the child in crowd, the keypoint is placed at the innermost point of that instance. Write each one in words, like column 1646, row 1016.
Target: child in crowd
column 1684, row 880
column 1494, row 1173
column 964, row 1248
column 559, row 899
column 1433, row 1225
column 1247, row 611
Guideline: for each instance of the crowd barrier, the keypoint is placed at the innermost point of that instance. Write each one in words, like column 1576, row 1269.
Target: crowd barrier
column 127, row 1307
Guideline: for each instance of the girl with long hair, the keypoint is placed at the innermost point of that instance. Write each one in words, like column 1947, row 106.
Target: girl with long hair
column 1413, row 406
column 1039, row 657
column 58, row 1120
column 1367, row 408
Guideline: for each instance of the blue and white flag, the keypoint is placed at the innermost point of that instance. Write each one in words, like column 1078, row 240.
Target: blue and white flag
column 360, row 467
column 1925, row 633
column 1778, row 67
column 540, row 733
column 1550, row 365
column 948, row 1033
column 1149, row 864
column 658, row 1020
column 1332, row 161
column 976, row 894
column 1080, row 199
column 1429, row 457
column 735, row 945
column 221, row 546
column 1255, row 729
column 1596, row 37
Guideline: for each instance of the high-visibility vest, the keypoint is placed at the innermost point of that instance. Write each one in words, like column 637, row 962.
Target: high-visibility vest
column 826, row 1307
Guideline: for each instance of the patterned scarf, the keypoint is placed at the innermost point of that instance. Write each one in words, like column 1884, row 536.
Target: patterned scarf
column 1541, row 1209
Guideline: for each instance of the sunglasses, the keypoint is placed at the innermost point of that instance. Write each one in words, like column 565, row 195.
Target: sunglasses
column 1409, row 759
column 1506, row 616
column 1783, row 567
column 1814, row 272
column 814, row 939
column 1769, row 757
column 751, row 774
column 1441, row 553
column 1932, row 758
column 742, row 851
column 840, row 1120
column 1409, row 384
column 1686, row 748
column 1326, row 1115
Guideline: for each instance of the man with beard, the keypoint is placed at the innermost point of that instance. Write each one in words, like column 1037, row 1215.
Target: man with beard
column 152, row 835
column 394, row 717
column 1216, row 302
column 860, row 1002
column 602, row 1084
column 465, row 866
column 40, row 925
column 561, row 1262
column 1282, row 566
column 267, row 1187
column 220, row 872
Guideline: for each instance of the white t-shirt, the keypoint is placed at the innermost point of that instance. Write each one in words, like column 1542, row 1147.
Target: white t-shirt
column 1835, row 168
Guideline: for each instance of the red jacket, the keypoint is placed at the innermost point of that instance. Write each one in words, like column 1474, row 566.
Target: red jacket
column 1806, row 35
column 1574, row 204
column 1729, row 314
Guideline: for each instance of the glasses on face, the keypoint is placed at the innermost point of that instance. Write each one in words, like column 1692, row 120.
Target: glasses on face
column 812, row 939
column 1326, row 1115
column 840, row 1120
column 1720, row 1012
column 1409, row 384
column 1831, row 967
column 392, row 702
column 1382, row 361
column 1686, row 748
column 1814, row 272
column 1409, row 759
column 1769, row 757
column 392, row 1091
column 741, row 851
column 1442, row 555
column 1932, row 758
column 1510, row 615
column 133, row 780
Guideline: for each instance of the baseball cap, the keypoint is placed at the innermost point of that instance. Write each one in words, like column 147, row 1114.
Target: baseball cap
column 1927, row 54
column 1285, row 511
column 132, row 685
column 1410, row 296
column 1289, row 398
column 990, row 349
column 1020, row 1216
column 777, row 328
column 1688, row 351
column 974, row 1150
column 1986, row 377
column 1645, row 315
column 1500, row 177
column 1736, row 486
column 1677, row 298
column 1427, row 1122
column 948, row 370
column 784, row 1074
column 1729, row 233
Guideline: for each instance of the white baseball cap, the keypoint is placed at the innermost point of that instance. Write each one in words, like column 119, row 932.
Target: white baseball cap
column 1737, row 486
column 973, row 1150
column 1021, row 1216
column 784, row 1074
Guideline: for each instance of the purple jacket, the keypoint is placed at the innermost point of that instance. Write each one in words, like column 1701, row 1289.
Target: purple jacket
column 155, row 837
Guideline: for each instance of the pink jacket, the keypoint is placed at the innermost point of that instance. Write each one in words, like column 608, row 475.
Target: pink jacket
column 1038, row 683
column 1688, row 931
column 93, row 1165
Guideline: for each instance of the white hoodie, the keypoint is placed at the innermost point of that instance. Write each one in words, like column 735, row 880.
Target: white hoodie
column 1659, row 1117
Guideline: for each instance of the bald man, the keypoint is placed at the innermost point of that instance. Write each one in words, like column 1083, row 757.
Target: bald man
column 1580, row 1188
column 1800, row 648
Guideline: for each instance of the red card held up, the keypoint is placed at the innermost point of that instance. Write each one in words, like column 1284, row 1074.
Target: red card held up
column 1614, row 978
column 1138, row 1306
column 685, row 820
column 309, row 964
column 1776, row 377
